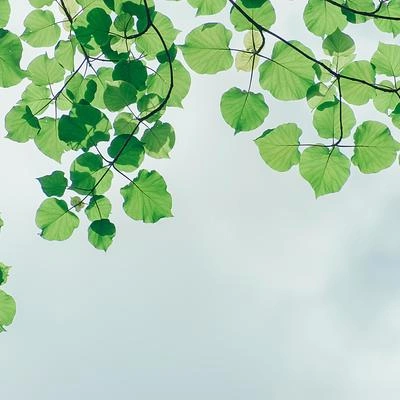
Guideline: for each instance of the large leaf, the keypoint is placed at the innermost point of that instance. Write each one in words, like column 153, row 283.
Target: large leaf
column 206, row 49
column 260, row 11
column 327, row 170
column 55, row 220
column 243, row 110
column 10, row 58
column 4, row 12
column 376, row 149
column 288, row 75
column 47, row 139
column 127, row 152
column 44, row 70
column 279, row 147
column 323, row 18
column 150, row 44
column 146, row 198
column 21, row 124
column 207, row 7
column 328, row 120
column 358, row 92
column 41, row 29
column 159, row 83
column 387, row 59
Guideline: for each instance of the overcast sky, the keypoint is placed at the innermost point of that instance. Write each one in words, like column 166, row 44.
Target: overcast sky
column 254, row 290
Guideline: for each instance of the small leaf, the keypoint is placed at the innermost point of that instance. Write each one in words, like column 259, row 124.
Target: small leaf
column 101, row 233
column 4, row 271
column 159, row 140
column 7, row 309
column 77, row 203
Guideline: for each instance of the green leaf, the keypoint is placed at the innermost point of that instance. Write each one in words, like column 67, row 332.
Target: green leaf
column 146, row 198
column 375, row 147
column 320, row 93
column 4, row 13
column 37, row 98
column 389, row 9
column 99, row 23
column 129, row 150
column 99, row 207
column 10, row 57
column 327, row 120
column 159, row 140
column 44, row 71
column 101, row 233
column 248, row 60
column 21, row 124
column 322, row 18
column 7, row 309
column 207, row 7
column 150, row 44
column 338, row 44
column 64, row 53
column 242, row 110
column 89, row 176
column 359, row 5
column 159, row 83
column 41, row 29
column 385, row 101
column 288, row 75
column 260, row 11
column 119, row 95
column 131, row 71
column 206, row 49
column 395, row 115
column 327, row 170
column 149, row 104
column 41, row 3
column 71, row 130
column 54, row 184
column 279, row 147
column 47, row 140
column 4, row 271
column 387, row 59
column 55, row 220
column 358, row 93
column 125, row 124
column 77, row 203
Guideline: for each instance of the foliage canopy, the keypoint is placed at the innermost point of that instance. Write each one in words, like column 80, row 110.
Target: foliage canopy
column 111, row 68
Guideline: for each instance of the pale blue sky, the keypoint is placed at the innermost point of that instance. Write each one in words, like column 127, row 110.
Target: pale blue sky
column 254, row 290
